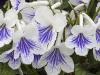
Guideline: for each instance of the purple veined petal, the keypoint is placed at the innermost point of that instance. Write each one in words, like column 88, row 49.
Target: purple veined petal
column 81, row 41
column 25, row 45
column 96, row 54
column 55, row 58
column 36, row 60
column 28, row 14
column 98, row 35
column 5, row 35
column 13, row 63
column 45, row 34
column 17, row 3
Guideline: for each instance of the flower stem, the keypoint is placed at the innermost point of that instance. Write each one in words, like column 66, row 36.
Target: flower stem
column 20, row 71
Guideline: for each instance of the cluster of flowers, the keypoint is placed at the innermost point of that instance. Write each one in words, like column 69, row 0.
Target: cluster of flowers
column 36, row 29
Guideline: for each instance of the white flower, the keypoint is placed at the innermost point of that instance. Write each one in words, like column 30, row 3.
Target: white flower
column 8, row 56
column 25, row 40
column 49, row 24
column 77, row 2
column 6, row 24
column 81, row 39
column 57, row 59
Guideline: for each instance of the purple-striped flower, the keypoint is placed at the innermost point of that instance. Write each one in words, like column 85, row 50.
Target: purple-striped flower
column 81, row 39
column 58, row 59
column 48, row 25
column 26, row 43
column 8, row 56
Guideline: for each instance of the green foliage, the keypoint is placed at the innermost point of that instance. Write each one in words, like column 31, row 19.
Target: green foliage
column 5, row 70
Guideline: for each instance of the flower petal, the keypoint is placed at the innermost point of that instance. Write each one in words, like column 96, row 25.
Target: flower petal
column 65, row 50
column 81, row 52
column 1, row 17
column 14, row 64
column 68, row 66
column 77, row 29
column 27, row 59
column 68, row 42
column 13, row 16
column 28, row 14
column 52, row 70
column 42, row 17
column 60, row 22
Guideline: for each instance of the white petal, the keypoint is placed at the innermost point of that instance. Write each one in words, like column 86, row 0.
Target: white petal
column 39, row 65
column 27, row 59
column 97, row 57
column 52, row 70
column 16, row 54
column 40, row 49
column 3, row 57
column 1, row 17
column 31, row 31
column 89, row 30
column 14, row 64
column 42, row 17
column 65, row 50
column 76, row 29
column 28, row 14
column 59, row 22
column 11, row 18
column 92, row 44
column 81, row 52
column 17, row 35
column 68, row 42
column 51, row 43
column 68, row 66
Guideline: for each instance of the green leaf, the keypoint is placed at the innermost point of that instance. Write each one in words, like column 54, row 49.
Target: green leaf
column 5, row 70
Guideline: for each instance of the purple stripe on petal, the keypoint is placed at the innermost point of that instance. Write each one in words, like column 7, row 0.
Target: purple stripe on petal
column 98, row 52
column 55, row 58
column 17, row 4
column 98, row 35
column 80, row 41
column 10, row 56
column 45, row 34
column 25, row 45
column 4, row 33
column 37, row 58
column 30, row 15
